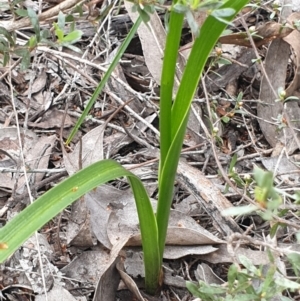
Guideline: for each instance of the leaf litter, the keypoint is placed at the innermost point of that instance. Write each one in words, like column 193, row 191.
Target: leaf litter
column 95, row 242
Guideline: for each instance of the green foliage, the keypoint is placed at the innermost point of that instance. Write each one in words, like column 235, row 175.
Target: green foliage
column 63, row 39
column 9, row 47
column 20, row 228
column 282, row 96
column 267, row 197
column 188, row 7
column 246, row 283
column 7, row 42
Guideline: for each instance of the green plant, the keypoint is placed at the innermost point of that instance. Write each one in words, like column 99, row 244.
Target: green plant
column 247, row 283
column 66, row 40
column 173, row 122
column 8, row 41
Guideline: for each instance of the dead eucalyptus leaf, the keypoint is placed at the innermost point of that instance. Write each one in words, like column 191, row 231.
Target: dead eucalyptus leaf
column 38, row 84
column 223, row 256
column 264, row 34
column 57, row 292
column 36, row 152
column 206, row 274
column 175, row 252
column 92, row 150
column 52, row 119
column 276, row 65
column 131, row 285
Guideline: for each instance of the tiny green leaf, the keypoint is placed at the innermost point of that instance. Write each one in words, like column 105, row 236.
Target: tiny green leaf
column 72, row 47
column 59, row 33
column 34, row 21
column 180, row 8
column 61, row 20
column 282, row 281
column 73, row 37
column 223, row 12
column 21, row 12
column 5, row 59
column 233, row 211
column 7, row 35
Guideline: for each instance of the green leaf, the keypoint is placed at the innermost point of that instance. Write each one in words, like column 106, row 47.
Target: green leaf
column 240, row 210
column 45, row 34
column 58, row 32
column 32, row 43
column 223, row 12
column 72, row 47
column 273, row 230
column 225, row 119
column 70, row 18
column 209, row 5
column 105, row 78
column 19, row 229
column 78, row 9
column 239, row 97
column 232, row 163
column 265, row 187
column 6, row 58
column 167, row 83
column 283, row 298
column 21, row 12
column 35, row 22
column 143, row 14
column 269, row 279
column 193, row 288
column 246, row 297
column 232, row 273
column 72, row 23
column 223, row 61
column 286, row 283
column 180, row 8
column 25, row 54
column 211, row 289
column 291, row 98
column 73, row 37
column 193, row 24
column 61, row 21
column 247, row 264
column 294, row 259
column 7, row 35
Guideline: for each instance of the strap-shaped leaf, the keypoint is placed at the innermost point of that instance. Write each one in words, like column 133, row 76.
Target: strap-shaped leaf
column 32, row 218
column 210, row 32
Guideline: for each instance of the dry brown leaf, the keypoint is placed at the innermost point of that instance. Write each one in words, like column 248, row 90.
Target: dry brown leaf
column 264, row 35
column 52, row 119
column 276, row 65
column 88, row 266
column 92, row 150
column 153, row 37
column 57, row 292
column 131, row 285
column 36, row 153
column 106, row 285
column 223, row 256
column 80, row 227
column 175, row 252
column 210, row 197
column 206, row 274
column 38, row 84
